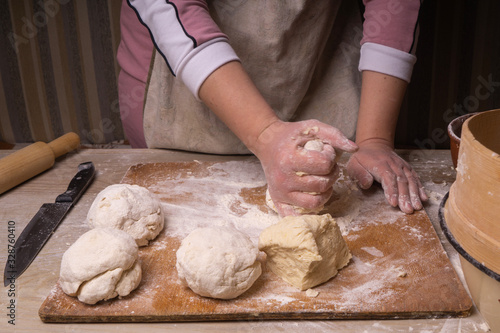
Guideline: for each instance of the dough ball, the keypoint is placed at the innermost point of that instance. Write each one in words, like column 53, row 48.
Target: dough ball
column 218, row 262
column 100, row 265
column 131, row 208
column 305, row 250
column 315, row 145
column 318, row 145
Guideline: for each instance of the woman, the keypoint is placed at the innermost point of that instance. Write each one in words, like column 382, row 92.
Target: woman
column 276, row 75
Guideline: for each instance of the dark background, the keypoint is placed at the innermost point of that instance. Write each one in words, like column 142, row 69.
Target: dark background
column 458, row 52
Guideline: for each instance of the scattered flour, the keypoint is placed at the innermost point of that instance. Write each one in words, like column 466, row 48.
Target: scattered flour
column 215, row 200
column 413, row 231
column 220, row 197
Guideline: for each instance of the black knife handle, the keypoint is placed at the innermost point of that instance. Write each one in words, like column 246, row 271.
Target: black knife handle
column 78, row 184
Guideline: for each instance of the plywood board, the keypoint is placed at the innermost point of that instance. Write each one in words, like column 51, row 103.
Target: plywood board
column 399, row 268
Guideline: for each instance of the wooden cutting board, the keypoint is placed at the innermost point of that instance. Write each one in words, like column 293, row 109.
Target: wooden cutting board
column 399, row 268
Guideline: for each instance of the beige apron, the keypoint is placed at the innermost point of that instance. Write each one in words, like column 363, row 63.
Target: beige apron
column 301, row 54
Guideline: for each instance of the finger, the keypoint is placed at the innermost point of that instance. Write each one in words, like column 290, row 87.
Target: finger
column 401, row 170
column 421, row 190
column 414, row 179
column 404, row 202
column 311, row 162
column 337, row 139
column 313, row 183
column 357, row 172
column 413, row 186
column 390, row 186
column 423, row 195
column 327, row 134
column 309, row 202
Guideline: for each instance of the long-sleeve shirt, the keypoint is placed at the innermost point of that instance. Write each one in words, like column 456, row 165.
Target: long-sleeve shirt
column 304, row 56
column 193, row 46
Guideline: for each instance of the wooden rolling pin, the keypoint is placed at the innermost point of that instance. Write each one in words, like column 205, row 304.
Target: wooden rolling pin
column 34, row 159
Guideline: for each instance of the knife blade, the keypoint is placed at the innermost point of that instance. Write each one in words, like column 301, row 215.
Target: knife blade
column 44, row 223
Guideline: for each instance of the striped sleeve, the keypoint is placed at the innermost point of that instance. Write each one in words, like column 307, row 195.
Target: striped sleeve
column 187, row 37
column 389, row 37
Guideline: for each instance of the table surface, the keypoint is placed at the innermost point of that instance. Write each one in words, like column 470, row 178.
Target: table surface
column 22, row 202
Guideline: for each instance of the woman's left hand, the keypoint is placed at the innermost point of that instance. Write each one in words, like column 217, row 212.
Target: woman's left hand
column 377, row 160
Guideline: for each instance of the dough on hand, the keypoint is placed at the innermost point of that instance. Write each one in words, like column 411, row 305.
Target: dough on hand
column 131, row 208
column 100, row 265
column 218, row 262
column 305, row 250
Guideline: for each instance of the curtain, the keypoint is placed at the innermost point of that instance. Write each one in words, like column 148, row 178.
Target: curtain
column 58, row 70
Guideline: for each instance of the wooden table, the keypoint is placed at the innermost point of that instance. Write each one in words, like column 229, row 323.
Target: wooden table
column 31, row 289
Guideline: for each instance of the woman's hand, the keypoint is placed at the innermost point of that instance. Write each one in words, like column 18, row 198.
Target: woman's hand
column 376, row 160
column 297, row 177
column 300, row 179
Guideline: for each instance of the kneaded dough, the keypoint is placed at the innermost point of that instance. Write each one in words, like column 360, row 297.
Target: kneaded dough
column 305, row 250
column 218, row 262
column 314, row 145
column 100, row 265
column 318, row 145
column 131, row 208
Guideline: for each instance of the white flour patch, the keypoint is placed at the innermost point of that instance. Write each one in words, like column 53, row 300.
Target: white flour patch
column 361, row 266
column 373, row 251
column 273, row 299
column 373, row 291
column 192, row 202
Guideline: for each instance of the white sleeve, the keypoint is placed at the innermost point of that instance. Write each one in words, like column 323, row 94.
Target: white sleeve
column 192, row 53
column 387, row 60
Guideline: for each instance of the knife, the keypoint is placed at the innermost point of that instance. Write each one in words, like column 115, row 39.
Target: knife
column 44, row 223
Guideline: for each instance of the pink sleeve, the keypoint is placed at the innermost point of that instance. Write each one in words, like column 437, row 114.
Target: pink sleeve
column 389, row 36
column 187, row 37
column 391, row 23
column 196, row 20
column 136, row 48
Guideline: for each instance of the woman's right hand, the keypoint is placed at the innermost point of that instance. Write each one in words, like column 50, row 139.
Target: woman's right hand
column 300, row 179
